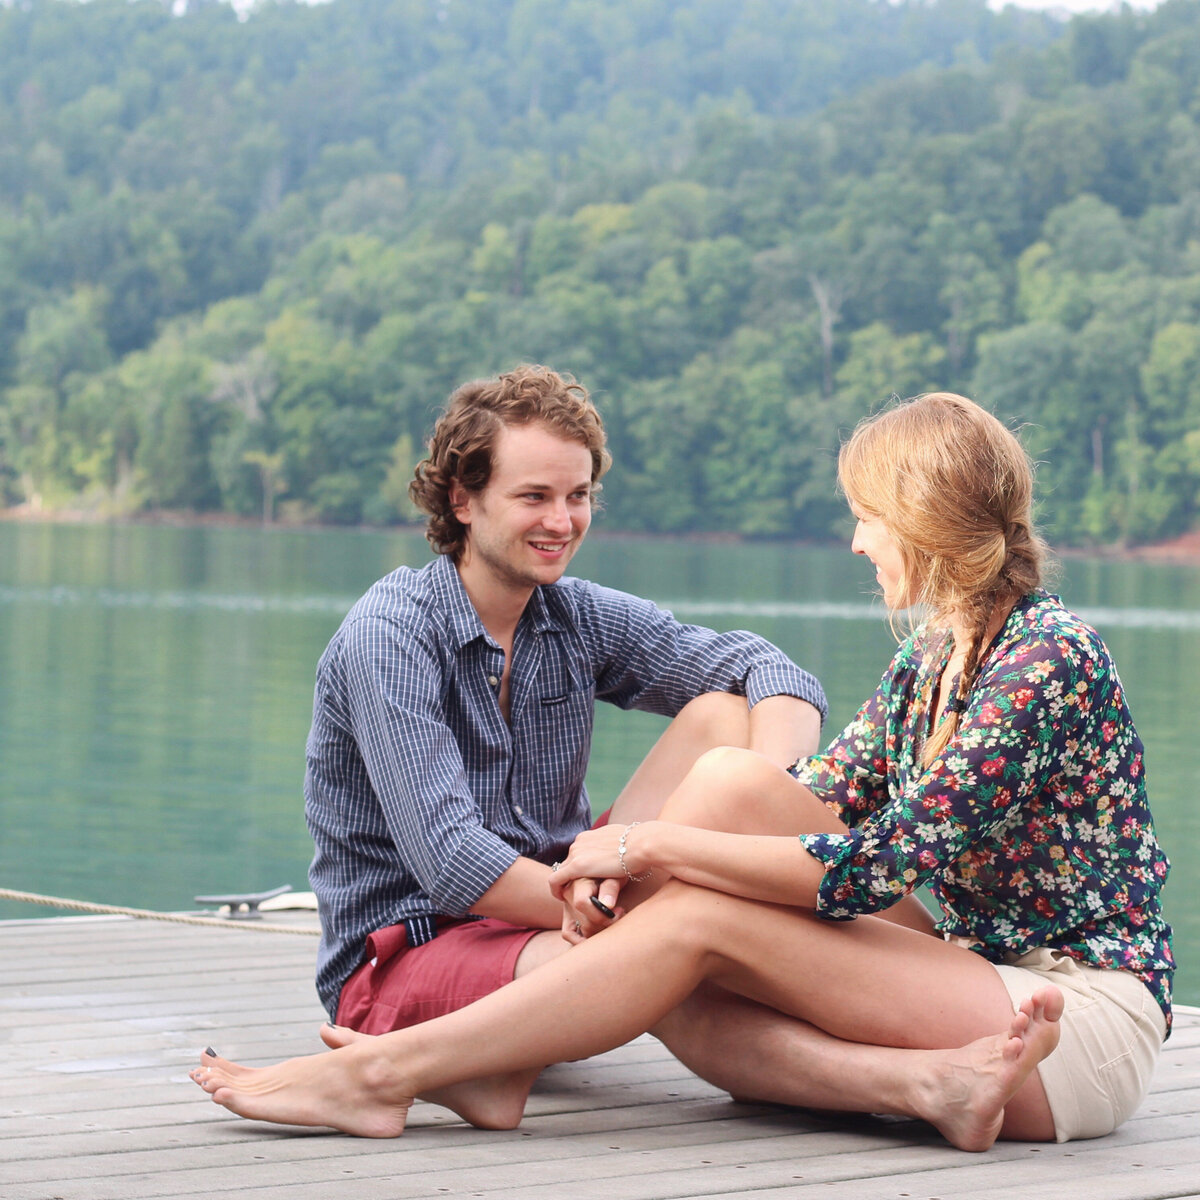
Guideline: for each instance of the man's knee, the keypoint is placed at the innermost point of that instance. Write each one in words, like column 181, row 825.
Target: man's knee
column 716, row 719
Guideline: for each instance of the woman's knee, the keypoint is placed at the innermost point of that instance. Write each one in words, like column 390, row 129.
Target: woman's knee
column 719, row 789
column 684, row 910
column 700, row 916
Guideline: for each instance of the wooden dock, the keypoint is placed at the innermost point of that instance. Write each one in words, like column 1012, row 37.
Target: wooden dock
column 101, row 1018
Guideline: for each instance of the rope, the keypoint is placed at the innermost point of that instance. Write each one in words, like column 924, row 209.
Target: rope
column 146, row 914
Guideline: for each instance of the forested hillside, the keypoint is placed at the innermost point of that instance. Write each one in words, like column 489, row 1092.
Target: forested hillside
column 243, row 261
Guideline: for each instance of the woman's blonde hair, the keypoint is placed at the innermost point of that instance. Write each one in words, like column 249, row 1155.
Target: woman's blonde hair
column 954, row 488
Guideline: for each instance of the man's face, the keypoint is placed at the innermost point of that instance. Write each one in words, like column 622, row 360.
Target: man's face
column 526, row 525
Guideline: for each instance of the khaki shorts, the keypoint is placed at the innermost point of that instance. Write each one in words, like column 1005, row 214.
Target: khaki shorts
column 1112, row 1031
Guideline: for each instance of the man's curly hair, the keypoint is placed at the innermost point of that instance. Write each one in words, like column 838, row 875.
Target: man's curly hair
column 465, row 434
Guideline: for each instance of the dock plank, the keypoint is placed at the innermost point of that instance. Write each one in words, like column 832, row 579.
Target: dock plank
column 100, row 1020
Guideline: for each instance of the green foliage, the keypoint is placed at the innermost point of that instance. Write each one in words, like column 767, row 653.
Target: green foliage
column 242, row 262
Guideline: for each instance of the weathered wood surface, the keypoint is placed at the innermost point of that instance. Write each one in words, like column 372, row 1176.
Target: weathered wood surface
column 100, row 1020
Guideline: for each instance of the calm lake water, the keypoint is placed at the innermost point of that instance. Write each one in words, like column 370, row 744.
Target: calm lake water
column 156, row 689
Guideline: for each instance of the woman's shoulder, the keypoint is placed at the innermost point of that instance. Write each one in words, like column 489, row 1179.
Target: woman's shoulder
column 1042, row 626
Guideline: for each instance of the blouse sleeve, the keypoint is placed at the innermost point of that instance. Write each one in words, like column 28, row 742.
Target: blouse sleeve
column 1018, row 723
column 850, row 776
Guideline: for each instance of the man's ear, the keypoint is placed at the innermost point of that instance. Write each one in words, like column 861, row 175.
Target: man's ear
column 460, row 502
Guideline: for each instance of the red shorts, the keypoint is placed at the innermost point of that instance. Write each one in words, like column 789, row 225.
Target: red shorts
column 400, row 985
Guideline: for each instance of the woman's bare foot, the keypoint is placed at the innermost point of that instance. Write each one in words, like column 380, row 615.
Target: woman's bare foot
column 966, row 1090
column 497, row 1102
column 347, row 1089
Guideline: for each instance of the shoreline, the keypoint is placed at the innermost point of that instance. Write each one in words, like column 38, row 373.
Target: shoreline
column 1183, row 550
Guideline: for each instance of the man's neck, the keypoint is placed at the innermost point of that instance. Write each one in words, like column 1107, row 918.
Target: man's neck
column 499, row 607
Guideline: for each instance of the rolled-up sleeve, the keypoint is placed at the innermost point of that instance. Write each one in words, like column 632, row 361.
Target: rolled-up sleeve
column 851, row 774
column 644, row 658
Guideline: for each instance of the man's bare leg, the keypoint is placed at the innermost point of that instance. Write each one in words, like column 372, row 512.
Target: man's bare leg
column 760, row 1055
column 495, row 1101
column 491, row 1102
column 783, row 729
column 711, row 720
column 967, row 1093
column 887, row 1000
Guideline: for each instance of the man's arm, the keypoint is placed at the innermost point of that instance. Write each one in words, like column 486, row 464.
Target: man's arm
column 395, row 697
column 646, row 659
column 522, row 896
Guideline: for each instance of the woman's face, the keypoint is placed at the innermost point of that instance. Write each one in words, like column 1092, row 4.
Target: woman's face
column 873, row 540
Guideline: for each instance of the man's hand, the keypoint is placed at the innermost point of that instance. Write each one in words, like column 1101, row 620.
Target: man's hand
column 581, row 917
column 591, row 872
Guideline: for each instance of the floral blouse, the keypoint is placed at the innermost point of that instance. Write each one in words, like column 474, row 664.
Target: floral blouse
column 1031, row 828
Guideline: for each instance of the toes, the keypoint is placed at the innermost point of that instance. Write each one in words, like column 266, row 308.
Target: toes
column 1012, row 1049
column 1053, row 1004
column 337, row 1036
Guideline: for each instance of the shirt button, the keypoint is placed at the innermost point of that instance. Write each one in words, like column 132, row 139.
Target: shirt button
column 493, row 680
column 518, row 810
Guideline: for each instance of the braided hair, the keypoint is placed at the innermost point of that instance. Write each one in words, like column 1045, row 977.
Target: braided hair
column 954, row 488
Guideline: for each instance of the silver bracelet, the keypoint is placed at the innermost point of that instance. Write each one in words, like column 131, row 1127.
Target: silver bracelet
column 621, row 857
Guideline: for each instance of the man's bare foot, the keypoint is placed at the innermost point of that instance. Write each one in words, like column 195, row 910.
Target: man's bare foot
column 966, row 1092
column 497, row 1102
column 347, row 1089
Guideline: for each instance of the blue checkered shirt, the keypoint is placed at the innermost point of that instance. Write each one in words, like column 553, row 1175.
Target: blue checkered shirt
column 419, row 795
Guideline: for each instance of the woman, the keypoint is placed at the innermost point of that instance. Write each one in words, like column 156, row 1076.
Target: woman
column 997, row 763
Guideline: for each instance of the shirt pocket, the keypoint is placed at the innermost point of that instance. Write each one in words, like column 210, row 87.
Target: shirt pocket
column 560, row 740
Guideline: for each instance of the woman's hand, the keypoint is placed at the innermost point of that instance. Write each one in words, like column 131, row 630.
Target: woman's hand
column 594, row 854
column 581, row 916
column 592, row 869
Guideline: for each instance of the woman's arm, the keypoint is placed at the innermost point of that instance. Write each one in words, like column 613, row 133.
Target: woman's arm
column 973, row 807
column 757, row 866
column 753, row 851
column 851, row 774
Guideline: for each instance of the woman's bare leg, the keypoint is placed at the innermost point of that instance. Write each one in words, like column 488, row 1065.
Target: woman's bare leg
column 712, row 720
column 494, row 1102
column 762, row 1055
column 908, row 997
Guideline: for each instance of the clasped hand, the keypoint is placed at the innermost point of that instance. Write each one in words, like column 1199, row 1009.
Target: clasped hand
column 591, row 868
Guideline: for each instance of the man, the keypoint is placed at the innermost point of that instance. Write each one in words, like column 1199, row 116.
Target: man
column 453, row 714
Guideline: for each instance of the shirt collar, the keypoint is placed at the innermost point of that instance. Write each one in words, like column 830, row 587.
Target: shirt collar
column 464, row 623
